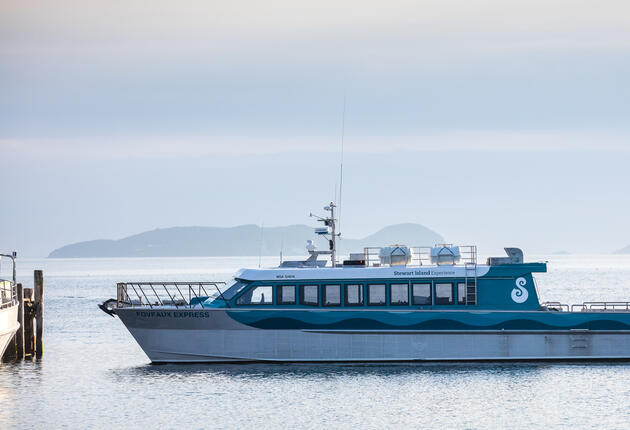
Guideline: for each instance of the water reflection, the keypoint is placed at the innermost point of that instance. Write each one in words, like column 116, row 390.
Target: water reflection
column 297, row 370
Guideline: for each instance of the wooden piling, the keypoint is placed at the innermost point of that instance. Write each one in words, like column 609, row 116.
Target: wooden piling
column 39, row 312
column 29, row 333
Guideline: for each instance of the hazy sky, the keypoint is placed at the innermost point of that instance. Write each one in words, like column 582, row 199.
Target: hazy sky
column 118, row 117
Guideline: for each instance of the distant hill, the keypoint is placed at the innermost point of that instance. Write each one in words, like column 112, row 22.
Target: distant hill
column 625, row 250
column 237, row 241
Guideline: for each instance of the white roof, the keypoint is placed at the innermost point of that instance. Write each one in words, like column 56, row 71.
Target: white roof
column 353, row 272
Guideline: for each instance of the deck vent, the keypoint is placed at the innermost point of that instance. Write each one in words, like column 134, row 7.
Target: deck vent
column 395, row 255
column 445, row 255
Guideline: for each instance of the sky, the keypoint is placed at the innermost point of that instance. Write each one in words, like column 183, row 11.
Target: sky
column 488, row 121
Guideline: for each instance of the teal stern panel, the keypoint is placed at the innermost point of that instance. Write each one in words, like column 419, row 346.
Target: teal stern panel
column 510, row 287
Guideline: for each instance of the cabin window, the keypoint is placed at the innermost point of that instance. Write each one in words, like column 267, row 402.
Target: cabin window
column 461, row 293
column 354, row 295
column 421, row 294
column 310, row 295
column 261, row 295
column 332, row 295
column 444, row 294
column 376, row 294
column 286, row 294
column 399, row 294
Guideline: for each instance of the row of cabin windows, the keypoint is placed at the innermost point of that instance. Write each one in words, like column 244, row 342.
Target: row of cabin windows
column 352, row 294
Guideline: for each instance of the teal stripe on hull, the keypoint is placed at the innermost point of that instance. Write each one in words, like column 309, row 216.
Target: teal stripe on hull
column 384, row 320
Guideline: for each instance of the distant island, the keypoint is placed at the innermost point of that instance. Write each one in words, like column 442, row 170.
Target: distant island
column 625, row 250
column 244, row 240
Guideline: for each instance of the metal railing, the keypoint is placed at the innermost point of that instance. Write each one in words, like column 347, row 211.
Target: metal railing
column 166, row 294
column 421, row 255
column 602, row 307
column 587, row 307
column 8, row 294
column 8, row 289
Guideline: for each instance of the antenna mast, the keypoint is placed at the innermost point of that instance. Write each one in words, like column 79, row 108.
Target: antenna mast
column 281, row 247
column 333, row 247
column 343, row 133
column 262, row 232
column 330, row 222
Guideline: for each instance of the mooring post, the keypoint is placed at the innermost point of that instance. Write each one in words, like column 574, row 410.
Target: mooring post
column 39, row 312
column 19, row 334
column 29, row 332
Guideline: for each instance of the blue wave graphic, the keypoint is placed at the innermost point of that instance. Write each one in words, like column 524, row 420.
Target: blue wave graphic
column 406, row 322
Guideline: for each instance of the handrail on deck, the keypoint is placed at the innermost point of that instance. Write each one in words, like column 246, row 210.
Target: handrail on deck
column 587, row 307
column 177, row 294
column 601, row 307
column 8, row 289
column 8, row 294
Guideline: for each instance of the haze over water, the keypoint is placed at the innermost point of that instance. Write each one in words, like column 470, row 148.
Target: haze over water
column 93, row 374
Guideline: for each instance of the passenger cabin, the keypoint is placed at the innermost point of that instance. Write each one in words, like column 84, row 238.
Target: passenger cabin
column 443, row 277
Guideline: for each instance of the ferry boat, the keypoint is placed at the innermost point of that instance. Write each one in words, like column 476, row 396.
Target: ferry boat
column 395, row 303
column 8, row 307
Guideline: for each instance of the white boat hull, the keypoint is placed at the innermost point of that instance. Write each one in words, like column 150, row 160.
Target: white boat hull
column 165, row 337
column 8, row 326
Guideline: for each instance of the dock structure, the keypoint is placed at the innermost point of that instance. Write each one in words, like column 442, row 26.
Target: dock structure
column 28, row 340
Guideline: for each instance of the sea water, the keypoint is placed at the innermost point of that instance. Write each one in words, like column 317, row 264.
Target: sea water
column 94, row 375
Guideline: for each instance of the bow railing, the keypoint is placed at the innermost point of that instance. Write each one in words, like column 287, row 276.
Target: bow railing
column 166, row 294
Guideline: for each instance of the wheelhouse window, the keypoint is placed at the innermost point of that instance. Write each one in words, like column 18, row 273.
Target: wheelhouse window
column 399, row 294
column 236, row 287
column 444, row 294
column 376, row 294
column 285, row 294
column 332, row 295
column 309, row 295
column 354, row 295
column 461, row 293
column 421, row 294
column 260, row 295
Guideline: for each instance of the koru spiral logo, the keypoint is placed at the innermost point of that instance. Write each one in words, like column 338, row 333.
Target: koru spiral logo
column 520, row 294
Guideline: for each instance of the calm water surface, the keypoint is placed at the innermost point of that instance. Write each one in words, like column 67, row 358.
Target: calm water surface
column 93, row 374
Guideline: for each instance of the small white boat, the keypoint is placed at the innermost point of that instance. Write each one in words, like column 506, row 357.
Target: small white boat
column 8, row 308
